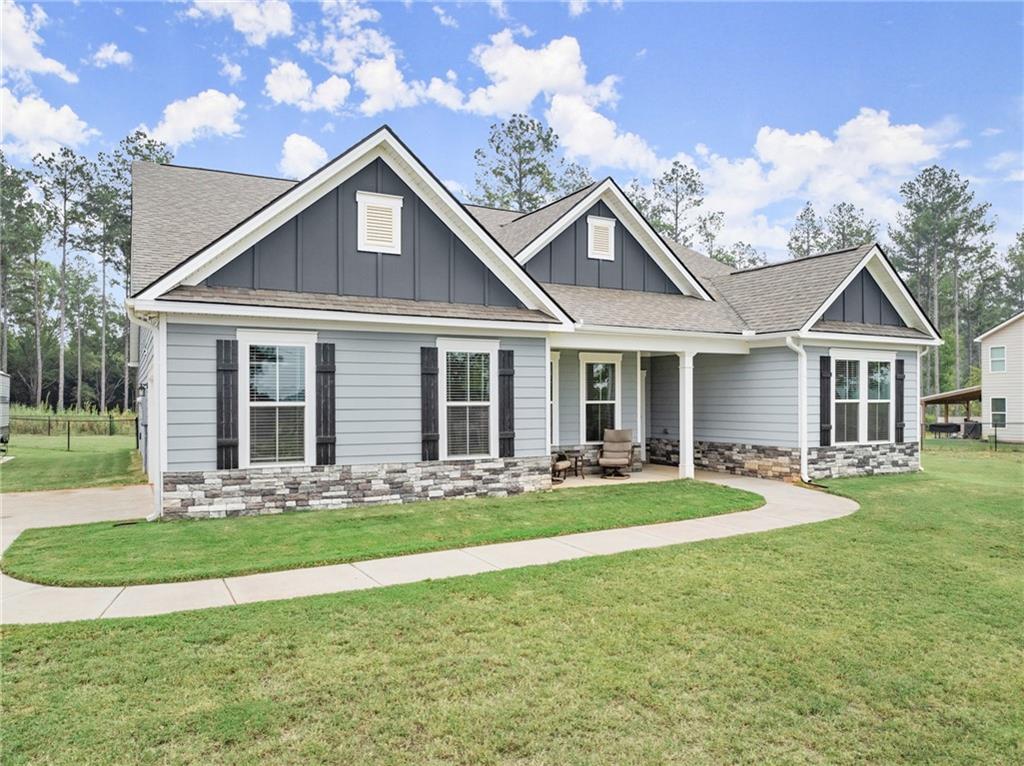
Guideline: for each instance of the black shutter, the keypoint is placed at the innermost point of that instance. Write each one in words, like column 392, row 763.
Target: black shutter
column 227, row 404
column 825, row 400
column 506, row 404
column 900, row 423
column 325, row 404
column 428, row 402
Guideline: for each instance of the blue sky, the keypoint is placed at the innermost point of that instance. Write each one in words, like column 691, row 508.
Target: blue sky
column 774, row 103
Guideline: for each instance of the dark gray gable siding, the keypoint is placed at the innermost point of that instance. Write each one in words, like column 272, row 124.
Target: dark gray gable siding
column 564, row 260
column 864, row 301
column 304, row 254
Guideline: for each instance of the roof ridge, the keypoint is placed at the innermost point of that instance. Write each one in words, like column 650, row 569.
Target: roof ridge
column 801, row 260
column 218, row 170
column 489, row 207
column 555, row 201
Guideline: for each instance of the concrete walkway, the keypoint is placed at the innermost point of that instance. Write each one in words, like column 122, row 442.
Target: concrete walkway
column 785, row 506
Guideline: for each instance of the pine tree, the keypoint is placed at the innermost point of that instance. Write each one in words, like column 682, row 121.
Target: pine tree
column 515, row 170
column 709, row 227
column 807, row 236
column 679, row 190
column 742, row 256
column 846, row 226
column 1013, row 278
column 648, row 204
column 573, row 178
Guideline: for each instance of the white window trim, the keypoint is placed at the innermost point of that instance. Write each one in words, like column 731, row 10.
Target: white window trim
column 585, row 359
column 553, row 406
column 307, row 340
column 470, row 345
column 990, row 350
column 863, row 357
column 593, row 221
column 992, row 411
column 384, row 200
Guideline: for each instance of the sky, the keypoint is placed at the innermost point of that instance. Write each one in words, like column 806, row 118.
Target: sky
column 776, row 104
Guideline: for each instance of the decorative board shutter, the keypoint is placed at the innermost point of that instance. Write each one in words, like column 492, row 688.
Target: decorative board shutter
column 428, row 402
column 900, row 423
column 227, row 404
column 825, row 400
column 325, row 450
column 506, row 404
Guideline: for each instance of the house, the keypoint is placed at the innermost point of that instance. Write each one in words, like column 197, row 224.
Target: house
column 361, row 336
column 1002, row 380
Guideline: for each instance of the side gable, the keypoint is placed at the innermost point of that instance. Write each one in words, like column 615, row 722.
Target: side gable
column 564, row 260
column 316, row 252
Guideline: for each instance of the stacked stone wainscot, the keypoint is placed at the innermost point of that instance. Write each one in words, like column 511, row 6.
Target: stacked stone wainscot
column 255, row 491
column 822, row 462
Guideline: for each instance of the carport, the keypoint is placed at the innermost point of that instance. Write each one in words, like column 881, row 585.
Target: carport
column 962, row 396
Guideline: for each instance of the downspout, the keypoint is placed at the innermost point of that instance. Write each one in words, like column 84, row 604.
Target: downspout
column 801, row 408
column 155, row 328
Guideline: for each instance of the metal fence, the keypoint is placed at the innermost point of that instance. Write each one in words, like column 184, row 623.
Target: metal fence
column 970, row 429
column 70, row 426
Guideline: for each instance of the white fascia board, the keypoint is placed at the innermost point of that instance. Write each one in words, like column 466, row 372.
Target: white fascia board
column 667, row 342
column 1000, row 326
column 867, row 340
column 272, row 316
column 635, row 225
column 381, row 144
column 891, row 285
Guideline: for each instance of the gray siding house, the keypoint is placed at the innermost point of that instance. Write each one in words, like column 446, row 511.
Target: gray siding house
column 362, row 337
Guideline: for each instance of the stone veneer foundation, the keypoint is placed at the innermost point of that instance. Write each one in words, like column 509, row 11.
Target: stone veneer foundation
column 663, row 451
column 748, row 459
column 255, row 491
column 822, row 462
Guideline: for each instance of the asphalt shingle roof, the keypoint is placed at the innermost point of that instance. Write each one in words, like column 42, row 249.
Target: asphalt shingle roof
column 652, row 311
column 176, row 211
column 517, row 233
column 783, row 296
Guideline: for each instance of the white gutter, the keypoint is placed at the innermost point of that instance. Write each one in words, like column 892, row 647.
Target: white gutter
column 138, row 319
column 801, row 356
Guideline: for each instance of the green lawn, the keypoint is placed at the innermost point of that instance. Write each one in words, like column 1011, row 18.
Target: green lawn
column 105, row 554
column 893, row 635
column 43, row 462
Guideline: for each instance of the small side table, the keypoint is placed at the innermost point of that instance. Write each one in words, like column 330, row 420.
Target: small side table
column 576, row 456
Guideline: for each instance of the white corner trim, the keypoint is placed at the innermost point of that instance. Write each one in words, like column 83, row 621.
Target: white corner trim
column 594, row 223
column 307, row 340
column 470, row 345
column 634, row 223
column 591, row 358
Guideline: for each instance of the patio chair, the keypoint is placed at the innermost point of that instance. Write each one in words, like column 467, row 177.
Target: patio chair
column 616, row 453
column 560, row 465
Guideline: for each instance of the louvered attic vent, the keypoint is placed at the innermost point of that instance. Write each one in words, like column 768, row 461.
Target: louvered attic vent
column 600, row 238
column 380, row 223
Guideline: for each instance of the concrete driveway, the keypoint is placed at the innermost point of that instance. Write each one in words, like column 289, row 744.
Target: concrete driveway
column 57, row 508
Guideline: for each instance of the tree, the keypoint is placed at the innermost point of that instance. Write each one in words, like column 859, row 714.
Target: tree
column 742, row 256
column 515, row 170
column 678, row 191
column 1014, row 275
column 23, row 227
column 573, row 178
column 709, row 226
column 648, row 204
column 63, row 177
column 81, row 287
column 846, row 226
column 807, row 236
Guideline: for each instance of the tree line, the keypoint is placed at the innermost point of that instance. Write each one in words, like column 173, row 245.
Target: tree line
column 64, row 341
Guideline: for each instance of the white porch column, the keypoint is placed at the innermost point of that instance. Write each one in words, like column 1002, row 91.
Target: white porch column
column 686, row 415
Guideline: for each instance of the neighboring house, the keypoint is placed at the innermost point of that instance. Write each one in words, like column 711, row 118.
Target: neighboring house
column 1002, row 380
column 361, row 336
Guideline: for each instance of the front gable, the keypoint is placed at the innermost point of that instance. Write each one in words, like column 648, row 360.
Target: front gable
column 863, row 301
column 316, row 251
column 566, row 260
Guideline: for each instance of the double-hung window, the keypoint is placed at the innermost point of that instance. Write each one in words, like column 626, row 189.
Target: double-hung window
column 600, row 386
column 997, row 359
column 276, row 421
column 468, row 387
column 998, row 409
column 863, row 397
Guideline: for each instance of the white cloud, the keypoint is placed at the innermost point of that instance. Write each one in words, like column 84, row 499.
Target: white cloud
column 385, row 86
column 110, row 55
column 498, row 8
column 300, row 156
column 210, row 113
column 1011, row 163
column 20, row 41
column 445, row 18
column 989, row 132
column 445, row 92
column 32, row 126
column 347, row 43
column 230, row 69
column 578, row 7
column 288, row 83
column 256, row 20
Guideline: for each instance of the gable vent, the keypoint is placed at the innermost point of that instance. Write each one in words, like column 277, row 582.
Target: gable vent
column 380, row 223
column 601, row 238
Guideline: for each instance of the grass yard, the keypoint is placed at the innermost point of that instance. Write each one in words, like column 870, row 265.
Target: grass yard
column 105, row 554
column 890, row 636
column 42, row 462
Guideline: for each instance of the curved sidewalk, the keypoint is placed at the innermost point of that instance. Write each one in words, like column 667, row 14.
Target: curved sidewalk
column 785, row 506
